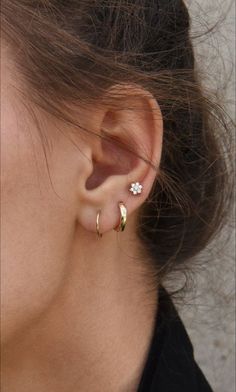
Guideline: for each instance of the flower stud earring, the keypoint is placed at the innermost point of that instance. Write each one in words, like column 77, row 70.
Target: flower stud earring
column 136, row 188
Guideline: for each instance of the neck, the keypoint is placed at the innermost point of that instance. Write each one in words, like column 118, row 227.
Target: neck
column 95, row 334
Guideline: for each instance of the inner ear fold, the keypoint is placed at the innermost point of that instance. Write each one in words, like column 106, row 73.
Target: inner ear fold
column 130, row 137
column 115, row 158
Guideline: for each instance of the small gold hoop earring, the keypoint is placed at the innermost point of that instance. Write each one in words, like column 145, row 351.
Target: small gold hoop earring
column 123, row 217
column 97, row 224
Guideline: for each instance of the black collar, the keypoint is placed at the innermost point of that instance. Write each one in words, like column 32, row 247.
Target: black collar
column 170, row 364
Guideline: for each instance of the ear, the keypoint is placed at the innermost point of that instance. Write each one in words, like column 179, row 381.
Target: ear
column 127, row 150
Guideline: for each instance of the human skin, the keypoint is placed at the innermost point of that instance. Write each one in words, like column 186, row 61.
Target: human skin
column 77, row 311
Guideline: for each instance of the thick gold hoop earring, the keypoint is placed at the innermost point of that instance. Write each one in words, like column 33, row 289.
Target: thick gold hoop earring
column 97, row 224
column 123, row 217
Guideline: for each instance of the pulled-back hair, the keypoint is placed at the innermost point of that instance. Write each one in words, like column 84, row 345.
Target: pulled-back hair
column 73, row 51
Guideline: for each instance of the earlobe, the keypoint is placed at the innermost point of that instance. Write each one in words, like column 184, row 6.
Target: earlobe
column 126, row 158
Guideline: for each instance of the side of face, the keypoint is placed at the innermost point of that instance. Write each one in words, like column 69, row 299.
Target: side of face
column 37, row 215
column 54, row 181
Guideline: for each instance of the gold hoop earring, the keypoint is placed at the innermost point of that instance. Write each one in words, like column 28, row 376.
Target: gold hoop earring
column 97, row 224
column 123, row 217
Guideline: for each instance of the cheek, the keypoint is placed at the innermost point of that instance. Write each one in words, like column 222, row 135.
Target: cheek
column 36, row 232
column 35, row 250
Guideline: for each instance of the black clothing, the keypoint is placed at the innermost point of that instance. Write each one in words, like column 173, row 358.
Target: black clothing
column 170, row 365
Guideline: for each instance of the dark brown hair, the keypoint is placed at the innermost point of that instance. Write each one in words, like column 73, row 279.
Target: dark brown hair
column 75, row 50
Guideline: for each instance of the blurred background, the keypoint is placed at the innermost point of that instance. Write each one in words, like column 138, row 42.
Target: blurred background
column 209, row 306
